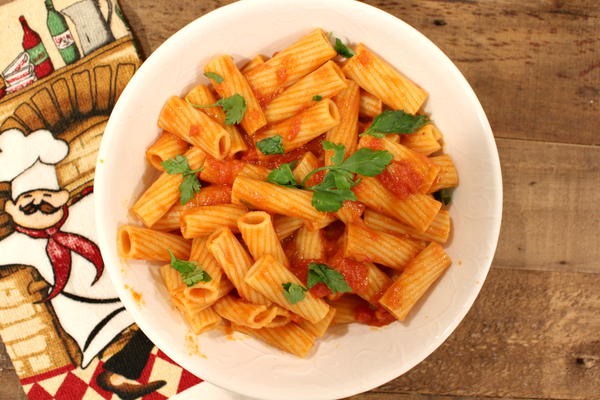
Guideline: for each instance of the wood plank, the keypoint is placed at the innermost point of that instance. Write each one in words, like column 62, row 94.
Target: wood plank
column 375, row 395
column 534, row 65
column 551, row 198
column 530, row 334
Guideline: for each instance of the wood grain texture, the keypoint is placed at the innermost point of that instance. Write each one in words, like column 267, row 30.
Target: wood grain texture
column 551, row 199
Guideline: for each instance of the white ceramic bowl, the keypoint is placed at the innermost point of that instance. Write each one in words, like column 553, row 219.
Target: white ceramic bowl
column 349, row 360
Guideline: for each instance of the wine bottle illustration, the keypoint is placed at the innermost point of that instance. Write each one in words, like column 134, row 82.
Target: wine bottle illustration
column 59, row 30
column 33, row 45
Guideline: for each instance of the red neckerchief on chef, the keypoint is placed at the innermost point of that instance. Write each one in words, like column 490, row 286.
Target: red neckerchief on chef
column 59, row 247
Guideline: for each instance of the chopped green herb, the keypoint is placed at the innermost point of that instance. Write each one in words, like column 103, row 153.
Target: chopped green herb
column 234, row 107
column 444, row 196
column 283, row 176
column 214, row 76
column 317, row 97
column 191, row 184
column 395, row 122
column 342, row 49
column 293, row 292
column 191, row 273
column 337, row 185
column 271, row 145
column 321, row 273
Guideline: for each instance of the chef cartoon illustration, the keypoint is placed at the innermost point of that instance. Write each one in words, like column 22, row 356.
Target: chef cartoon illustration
column 59, row 241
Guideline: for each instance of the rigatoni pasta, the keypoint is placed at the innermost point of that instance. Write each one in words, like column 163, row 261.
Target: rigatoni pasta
column 195, row 127
column 167, row 146
column 304, row 127
column 378, row 77
column 330, row 209
column 325, row 82
column 232, row 83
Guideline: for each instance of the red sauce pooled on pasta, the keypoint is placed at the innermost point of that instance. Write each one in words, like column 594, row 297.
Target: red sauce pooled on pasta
column 221, row 172
column 195, row 130
column 374, row 317
column 211, row 195
column 401, row 179
column 355, row 272
column 274, row 161
column 295, row 127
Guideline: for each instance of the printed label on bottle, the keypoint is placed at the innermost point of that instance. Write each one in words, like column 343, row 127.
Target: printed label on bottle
column 63, row 40
column 38, row 54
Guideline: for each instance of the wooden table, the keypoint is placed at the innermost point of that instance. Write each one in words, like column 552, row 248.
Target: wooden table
column 534, row 331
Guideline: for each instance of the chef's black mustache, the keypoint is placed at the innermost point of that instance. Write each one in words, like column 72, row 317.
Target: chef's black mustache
column 43, row 207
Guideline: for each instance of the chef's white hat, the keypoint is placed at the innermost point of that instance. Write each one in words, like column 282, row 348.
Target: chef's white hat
column 28, row 161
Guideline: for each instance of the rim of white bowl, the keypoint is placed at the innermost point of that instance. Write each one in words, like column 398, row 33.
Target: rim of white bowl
column 101, row 186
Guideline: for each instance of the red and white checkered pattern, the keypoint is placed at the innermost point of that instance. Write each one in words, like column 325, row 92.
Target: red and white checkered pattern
column 71, row 383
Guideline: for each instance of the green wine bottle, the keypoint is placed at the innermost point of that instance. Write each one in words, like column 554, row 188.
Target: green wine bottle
column 63, row 39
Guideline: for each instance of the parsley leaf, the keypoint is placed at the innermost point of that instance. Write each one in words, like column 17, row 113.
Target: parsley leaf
column 283, row 176
column 342, row 49
column 214, row 76
column 338, row 149
column 321, row 273
column 444, row 196
column 336, row 187
column 191, row 184
column 293, row 292
column 331, row 200
column 271, row 145
column 367, row 162
column 395, row 122
column 176, row 165
column 191, row 273
column 329, row 195
column 317, row 97
column 234, row 107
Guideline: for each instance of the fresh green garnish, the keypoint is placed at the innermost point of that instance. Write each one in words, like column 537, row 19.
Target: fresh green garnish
column 317, row 98
column 395, row 122
column 336, row 187
column 444, row 196
column 191, row 273
column 329, row 195
column 284, row 176
column 293, row 292
column 342, row 49
column 214, row 76
column 271, row 145
column 191, row 184
column 321, row 273
column 234, row 107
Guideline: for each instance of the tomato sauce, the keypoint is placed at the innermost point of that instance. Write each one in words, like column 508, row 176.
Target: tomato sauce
column 211, row 196
column 374, row 317
column 401, row 179
column 364, row 58
column 195, row 130
column 373, row 143
column 221, row 172
column 316, row 179
column 294, row 128
column 274, row 161
column 356, row 273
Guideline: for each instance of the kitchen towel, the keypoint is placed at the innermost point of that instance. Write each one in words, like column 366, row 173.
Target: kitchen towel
column 64, row 64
